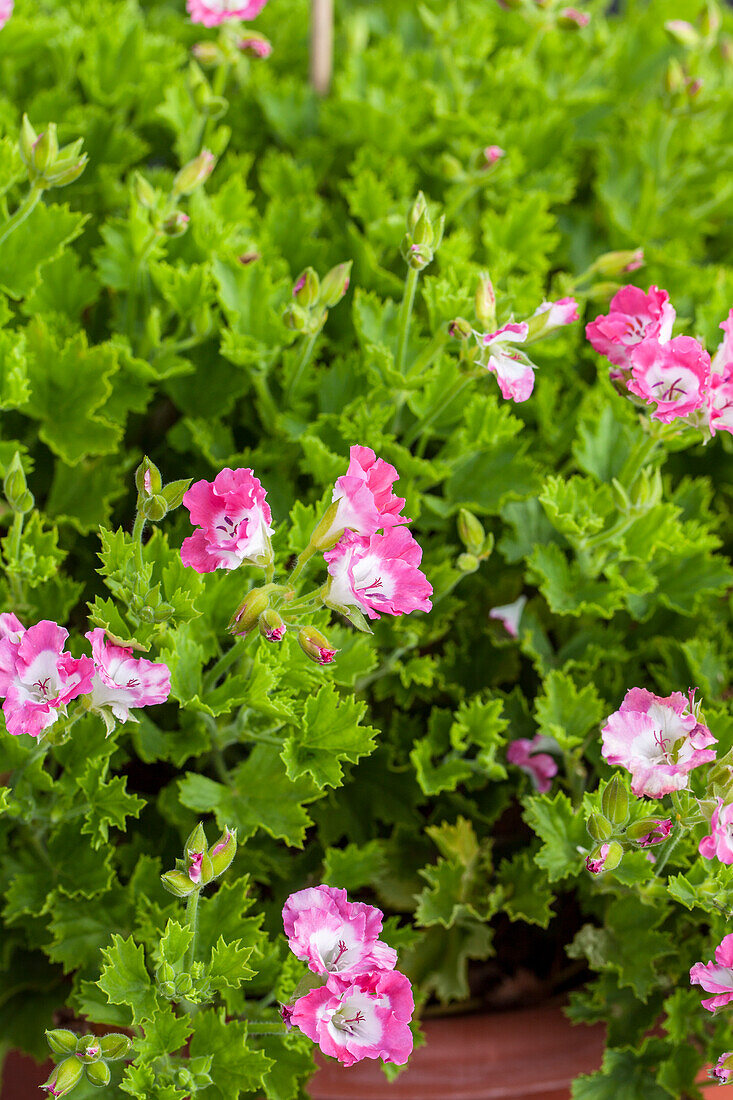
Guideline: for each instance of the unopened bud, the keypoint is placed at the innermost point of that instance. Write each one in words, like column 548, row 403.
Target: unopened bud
column 682, row 32
column 620, row 497
column 155, row 508
column 710, row 19
column 306, row 288
column 144, row 191
column 65, row 1077
column 15, row 487
column 611, row 264
column 88, row 1049
column 183, row 984
column 675, row 80
column 68, row 166
column 177, row 883
column 316, row 646
column 571, row 19
column 272, row 626
column 165, row 974
column 615, row 801
column 193, row 174
column 486, row 302
column 460, row 329
column 45, row 150
column 252, row 606
column 207, row 53
column 295, row 318
column 26, row 141
column 176, row 224
column 467, row 563
column 223, row 852
column 335, row 284
column 98, row 1074
column 471, row 531
column 598, row 827
column 416, row 211
column 196, row 840
column 62, row 1041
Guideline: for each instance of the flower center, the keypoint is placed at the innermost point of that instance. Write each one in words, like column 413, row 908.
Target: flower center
column 669, row 394
column 333, row 963
column 230, row 528
column 44, row 693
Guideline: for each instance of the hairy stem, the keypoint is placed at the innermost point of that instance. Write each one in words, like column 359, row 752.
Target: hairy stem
column 305, row 358
column 403, row 330
column 26, row 207
column 192, row 917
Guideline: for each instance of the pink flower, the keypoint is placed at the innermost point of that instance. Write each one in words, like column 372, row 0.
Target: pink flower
column 214, row 12
column 365, row 1018
column 6, row 10
column 122, row 681
column 595, row 866
column 552, row 315
column 364, row 498
column 632, row 317
column 195, row 860
column 513, row 370
column 258, row 47
column 233, row 518
column 335, row 935
column 636, row 261
column 494, row 153
column 716, row 977
column 11, row 631
column 286, row 1015
column 723, row 1068
column 659, row 740
column 44, row 679
column 674, row 375
column 510, row 615
column 719, row 845
column 539, row 766
column 378, row 574
column 720, row 394
column 660, row 831
column 572, row 15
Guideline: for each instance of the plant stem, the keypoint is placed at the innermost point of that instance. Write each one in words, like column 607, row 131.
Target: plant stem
column 137, row 534
column 669, row 847
column 436, row 410
column 28, row 204
column 225, row 662
column 16, row 536
column 403, row 331
column 192, row 917
column 303, row 559
column 303, row 362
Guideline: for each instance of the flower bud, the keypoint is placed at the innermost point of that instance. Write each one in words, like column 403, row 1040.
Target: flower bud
column 416, row 211
column 88, row 1049
column 176, row 224
column 15, row 487
column 196, row 840
column 68, row 166
column 62, row 1041
column 649, row 830
column 710, row 19
column 467, row 563
column 486, row 302
column 155, row 508
column 493, row 154
column 207, row 53
column 606, row 857
column 98, row 1074
column 295, row 318
column 306, row 288
column 144, row 191
column 65, row 1077
column 165, row 974
column 272, row 626
column 316, row 646
column 460, row 329
column 183, row 985
column 247, row 614
column 682, row 33
column 598, row 827
column 335, row 284
column 615, row 801
column 572, row 19
column 26, row 141
column 193, row 174
column 611, row 264
column 45, row 150
column 471, row 531
column 223, row 852
column 177, row 883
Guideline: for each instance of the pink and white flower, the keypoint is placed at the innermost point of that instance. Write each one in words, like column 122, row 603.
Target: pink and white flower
column 6, row 10
column 44, row 679
column 510, row 614
column 363, row 498
column 122, row 681
column 214, row 12
column 539, row 766
column 723, row 1068
column 195, row 862
column 513, row 370
column 660, row 830
column 720, row 394
column 11, row 631
column 335, row 935
column 674, row 375
column 633, row 316
column 367, row 1017
column 659, row 740
column 550, row 316
column 719, row 845
column 233, row 520
column 379, row 573
column 595, row 866
column 717, row 977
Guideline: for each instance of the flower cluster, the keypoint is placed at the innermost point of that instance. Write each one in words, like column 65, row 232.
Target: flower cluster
column 365, row 1006
column 674, row 374
column 39, row 678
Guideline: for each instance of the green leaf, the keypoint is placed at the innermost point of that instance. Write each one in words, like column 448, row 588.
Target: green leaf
column 566, row 713
column 563, row 833
column 527, row 896
column 629, row 1073
column 229, row 965
column 37, row 241
column 236, row 1067
column 330, row 734
column 124, row 979
column 175, row 943
column 107, row 803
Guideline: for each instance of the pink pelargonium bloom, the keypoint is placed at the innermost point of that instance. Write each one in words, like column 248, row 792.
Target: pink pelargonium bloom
column 335, row 935
column 363, row 497
column 122, row 681
column 11, row 631
column 633, row 316
column 720, row 394
column 257, row 47
column 719, row 845
column 595, row 866
column 717, row 977
column 195, row 860
column 378, row 574
column 539, row 766
column 214, row 12
column 6, row 10
column 233, row 520
column 659, row 740
column 550, row 316
column 45, row 679
column 493, row 153
column 367, row 1017
column 659, row 832
column 674, row 375
column 723, row 1068
column 510, row 614
column 514, row 372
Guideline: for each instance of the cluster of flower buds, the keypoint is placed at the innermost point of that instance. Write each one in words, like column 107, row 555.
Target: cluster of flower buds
column 49, row 165
column 161, row 208
column 611, row 831
column 477, row 543
column 200, row 864
column 423, row 238
column 85, row 1056
column 313, row 297
column 155, row 500
column 15, row 487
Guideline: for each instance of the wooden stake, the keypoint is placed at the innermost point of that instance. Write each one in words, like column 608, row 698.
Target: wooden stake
column 321, row 45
